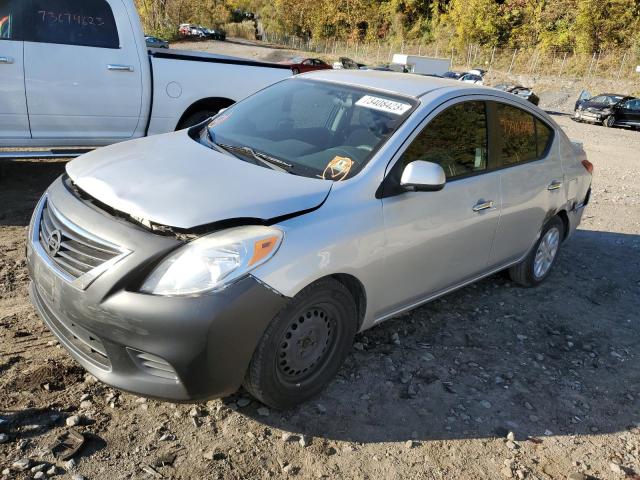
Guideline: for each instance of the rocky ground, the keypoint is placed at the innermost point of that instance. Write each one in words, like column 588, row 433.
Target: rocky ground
column 493, row 381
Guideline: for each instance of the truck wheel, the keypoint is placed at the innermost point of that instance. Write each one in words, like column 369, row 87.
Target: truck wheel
column 304, row 346
column 534, row 269
column 196, row 118
column 610, row 121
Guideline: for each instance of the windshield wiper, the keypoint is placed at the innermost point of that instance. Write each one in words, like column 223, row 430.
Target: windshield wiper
column 262, row 157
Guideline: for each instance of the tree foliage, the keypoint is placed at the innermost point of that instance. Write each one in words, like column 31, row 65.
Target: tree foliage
column 583, row 26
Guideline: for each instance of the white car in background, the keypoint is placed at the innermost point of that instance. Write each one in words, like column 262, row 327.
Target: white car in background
column 473, row 78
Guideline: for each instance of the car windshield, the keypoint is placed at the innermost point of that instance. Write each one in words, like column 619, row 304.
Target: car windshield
column 607, row 99
column 311, row 128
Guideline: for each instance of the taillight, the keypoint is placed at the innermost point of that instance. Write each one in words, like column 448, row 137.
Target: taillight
column 588, row 166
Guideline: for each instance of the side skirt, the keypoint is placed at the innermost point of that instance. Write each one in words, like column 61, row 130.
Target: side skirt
column 446, row 291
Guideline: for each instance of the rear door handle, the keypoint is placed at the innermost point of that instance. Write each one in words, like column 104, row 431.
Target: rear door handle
column 555, row 185
column 6, row 60
column 483, row 206
column 120, row 68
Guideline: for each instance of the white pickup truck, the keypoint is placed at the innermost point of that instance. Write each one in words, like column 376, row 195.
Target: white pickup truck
column 78, row 73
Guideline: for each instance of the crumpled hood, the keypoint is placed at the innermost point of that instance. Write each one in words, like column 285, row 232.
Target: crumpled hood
column 595, row 105
column 173, row 180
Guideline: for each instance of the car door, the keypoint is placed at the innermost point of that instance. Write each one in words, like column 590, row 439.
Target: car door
column 629, row 113
column 14, row 121
column 83, row 75
column 436, row 240
column 306, row 65
column 531, row 179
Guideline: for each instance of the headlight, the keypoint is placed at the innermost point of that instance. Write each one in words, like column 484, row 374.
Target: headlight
column 213, row 261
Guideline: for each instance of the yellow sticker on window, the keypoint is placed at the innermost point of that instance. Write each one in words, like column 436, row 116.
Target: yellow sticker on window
column 337, row 169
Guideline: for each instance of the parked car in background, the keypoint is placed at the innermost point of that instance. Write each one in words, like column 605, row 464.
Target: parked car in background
column 453, row 75
column 216, row 34
column 97, row 86
column 302, row 65
column 608, row 109
column 184, row 29
column 478, row 71
column 191, row 31
column 347, row 64
column 380, row 68
column 155, row 42
column 371, row 193
column 472, row 78
column 520, row 91
column 199, row 31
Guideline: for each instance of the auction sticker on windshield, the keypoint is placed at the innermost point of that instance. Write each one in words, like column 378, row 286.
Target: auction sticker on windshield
column 383, row 104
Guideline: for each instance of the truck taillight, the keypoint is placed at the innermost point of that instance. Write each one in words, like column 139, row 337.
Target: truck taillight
column 588, row 166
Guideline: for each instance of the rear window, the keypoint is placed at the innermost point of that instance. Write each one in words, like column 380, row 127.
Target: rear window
column 87, row 23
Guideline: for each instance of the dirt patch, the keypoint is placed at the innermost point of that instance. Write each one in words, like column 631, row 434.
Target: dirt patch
column 53, row 375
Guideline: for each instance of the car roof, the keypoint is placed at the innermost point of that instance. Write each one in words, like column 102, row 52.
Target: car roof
column 610, row 95
column 406, row 84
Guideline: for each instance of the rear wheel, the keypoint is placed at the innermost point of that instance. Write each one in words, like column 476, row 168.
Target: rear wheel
column 304, row 346
column 535, row 268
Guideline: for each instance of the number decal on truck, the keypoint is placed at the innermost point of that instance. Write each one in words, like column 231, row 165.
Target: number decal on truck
column 66, row 18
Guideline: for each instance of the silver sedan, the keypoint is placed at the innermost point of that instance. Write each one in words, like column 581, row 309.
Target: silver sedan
column 250, row 249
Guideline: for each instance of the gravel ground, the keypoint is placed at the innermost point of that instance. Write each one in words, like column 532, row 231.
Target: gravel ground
column 493, row 381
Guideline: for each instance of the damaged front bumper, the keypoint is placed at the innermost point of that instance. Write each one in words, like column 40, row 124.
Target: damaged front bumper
column 173, row 348
column 586, row 116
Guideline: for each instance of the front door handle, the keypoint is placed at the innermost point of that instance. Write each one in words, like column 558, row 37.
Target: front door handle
column 483, row 206
column 120, row 68
column 6, row 60
column 555, row 185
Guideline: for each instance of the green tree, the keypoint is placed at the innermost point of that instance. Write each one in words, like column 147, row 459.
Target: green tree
column 471, row 21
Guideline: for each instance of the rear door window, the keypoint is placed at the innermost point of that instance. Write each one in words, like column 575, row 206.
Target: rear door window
column 517, row 134
column 10, row 20
column 87, row 23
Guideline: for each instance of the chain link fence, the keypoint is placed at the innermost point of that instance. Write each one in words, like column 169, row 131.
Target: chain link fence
column 615, row 65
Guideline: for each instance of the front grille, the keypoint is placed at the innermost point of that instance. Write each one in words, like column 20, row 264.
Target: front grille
column 73, row 336
column 72, row 250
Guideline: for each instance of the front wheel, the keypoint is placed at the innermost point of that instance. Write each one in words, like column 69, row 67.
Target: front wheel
column 304, row 346
column 610, row 121
column 535, row 268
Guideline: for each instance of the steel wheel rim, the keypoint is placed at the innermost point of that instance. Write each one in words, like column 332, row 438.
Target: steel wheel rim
column 306, row 344
column 546, row 252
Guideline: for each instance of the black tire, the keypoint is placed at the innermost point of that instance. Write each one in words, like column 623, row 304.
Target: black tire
column 330, row 314
column 196, row 118
column 610, row 121
column 295, row 71
column 524, row 272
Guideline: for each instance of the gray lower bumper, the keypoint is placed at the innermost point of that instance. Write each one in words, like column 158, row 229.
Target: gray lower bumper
column 174, row 348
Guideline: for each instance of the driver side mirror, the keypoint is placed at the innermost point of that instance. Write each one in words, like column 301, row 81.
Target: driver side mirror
column 421, row 176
